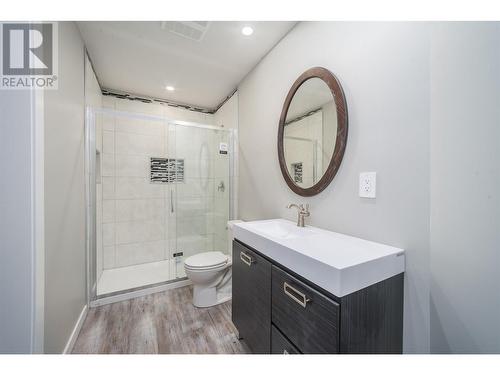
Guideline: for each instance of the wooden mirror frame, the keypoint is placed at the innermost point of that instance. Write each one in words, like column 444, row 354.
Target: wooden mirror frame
column 341, row 140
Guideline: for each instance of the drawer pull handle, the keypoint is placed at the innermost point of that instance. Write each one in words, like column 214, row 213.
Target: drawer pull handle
column 303, row 299
column 245, row 258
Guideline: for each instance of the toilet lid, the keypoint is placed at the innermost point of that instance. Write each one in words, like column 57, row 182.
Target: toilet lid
column 206, row 260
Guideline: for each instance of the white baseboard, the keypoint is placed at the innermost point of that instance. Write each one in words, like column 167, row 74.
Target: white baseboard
column 139, row 293
column 76, row 330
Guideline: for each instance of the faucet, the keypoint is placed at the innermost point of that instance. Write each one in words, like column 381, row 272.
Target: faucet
column 302, row 213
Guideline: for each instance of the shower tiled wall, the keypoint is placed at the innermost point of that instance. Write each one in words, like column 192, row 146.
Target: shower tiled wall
column 134, row 215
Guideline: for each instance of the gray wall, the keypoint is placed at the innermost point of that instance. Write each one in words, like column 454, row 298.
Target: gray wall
column 384, row 70
column 65, row 280
column 465, row 183
column 16, row 226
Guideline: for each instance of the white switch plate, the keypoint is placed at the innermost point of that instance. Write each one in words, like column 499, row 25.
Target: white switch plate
column 368, row 184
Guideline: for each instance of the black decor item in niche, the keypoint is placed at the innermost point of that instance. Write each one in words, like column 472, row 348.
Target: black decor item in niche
column 166, row 170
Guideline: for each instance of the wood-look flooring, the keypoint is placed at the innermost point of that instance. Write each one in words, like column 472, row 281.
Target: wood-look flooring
column 165, row 322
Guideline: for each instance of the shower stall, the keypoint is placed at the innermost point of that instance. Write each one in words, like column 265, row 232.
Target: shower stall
column 159, row 190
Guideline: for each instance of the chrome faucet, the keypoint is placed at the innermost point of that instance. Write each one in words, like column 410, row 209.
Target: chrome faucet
column 301, row 212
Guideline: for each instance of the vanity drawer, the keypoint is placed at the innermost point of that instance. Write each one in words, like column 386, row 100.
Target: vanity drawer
column 309, row 319
column 280, row 344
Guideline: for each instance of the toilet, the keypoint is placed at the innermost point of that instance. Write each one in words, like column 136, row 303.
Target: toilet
column 210, row 273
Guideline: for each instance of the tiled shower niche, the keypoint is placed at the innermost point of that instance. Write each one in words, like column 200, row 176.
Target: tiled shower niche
column 166, row 170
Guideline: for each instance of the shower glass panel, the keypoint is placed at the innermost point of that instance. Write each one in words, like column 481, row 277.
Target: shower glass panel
column 162, row 193
column 202, row 192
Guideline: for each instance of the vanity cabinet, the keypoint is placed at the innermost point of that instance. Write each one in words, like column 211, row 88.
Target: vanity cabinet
column 251, row 306
column 280, row 344
column 277, row 311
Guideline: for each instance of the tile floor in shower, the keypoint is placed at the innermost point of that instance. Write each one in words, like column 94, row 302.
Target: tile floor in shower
column 123, row 278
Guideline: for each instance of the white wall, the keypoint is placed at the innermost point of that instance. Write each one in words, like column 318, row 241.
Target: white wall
column 384, row 70
column 17, row 229
column 227, row 115
column 65, row 257
column 465, row 180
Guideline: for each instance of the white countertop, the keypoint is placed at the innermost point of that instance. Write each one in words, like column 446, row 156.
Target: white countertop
column 336, row 262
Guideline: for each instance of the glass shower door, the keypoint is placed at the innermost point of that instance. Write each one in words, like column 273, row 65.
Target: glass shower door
column 221, row 209
column 200, row 195
column 175, row 256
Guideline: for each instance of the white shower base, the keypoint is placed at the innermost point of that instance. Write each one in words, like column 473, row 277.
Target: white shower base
column 123, row 278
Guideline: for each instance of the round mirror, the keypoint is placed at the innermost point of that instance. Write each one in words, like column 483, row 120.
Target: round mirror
column 312, row 132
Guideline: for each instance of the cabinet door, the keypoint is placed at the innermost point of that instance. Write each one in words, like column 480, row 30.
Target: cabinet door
column 251, row 303
column 280, row 344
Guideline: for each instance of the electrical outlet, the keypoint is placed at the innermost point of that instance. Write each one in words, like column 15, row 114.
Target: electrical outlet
column 368, row 184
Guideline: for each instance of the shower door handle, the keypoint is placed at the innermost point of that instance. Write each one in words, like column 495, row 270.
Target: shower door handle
column 171, row 200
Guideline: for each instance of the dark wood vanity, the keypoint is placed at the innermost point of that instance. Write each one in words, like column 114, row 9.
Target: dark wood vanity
column 277, row 311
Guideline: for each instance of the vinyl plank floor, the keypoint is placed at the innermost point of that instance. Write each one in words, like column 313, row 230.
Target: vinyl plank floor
column 159, row 323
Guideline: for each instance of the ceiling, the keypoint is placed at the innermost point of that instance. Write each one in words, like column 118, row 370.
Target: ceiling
column 204, row 64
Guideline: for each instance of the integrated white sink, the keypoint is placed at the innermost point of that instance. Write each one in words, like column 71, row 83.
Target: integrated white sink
column 280, row 229
column 336, row 262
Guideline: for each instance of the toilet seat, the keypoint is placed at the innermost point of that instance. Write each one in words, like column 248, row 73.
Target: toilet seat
column 206, row 261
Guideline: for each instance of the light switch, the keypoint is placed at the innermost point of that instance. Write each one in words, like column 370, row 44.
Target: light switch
column 368, row 184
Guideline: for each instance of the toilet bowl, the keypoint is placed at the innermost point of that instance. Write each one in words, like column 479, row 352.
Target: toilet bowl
column 210, row 273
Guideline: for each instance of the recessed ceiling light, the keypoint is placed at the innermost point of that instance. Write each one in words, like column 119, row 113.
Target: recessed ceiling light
column 170, row 88
column 247, row 30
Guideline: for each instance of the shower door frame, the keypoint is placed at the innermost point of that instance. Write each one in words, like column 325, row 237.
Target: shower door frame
column 90, row 203
column 93, row 299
